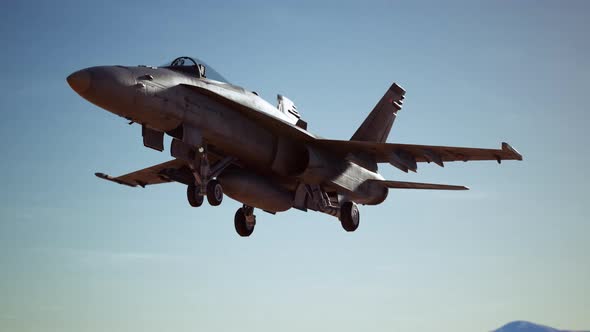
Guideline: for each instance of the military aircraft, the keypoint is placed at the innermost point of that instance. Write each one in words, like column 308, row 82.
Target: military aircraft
column 228, row 140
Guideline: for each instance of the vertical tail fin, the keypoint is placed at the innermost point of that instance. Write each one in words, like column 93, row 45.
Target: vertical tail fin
column 377, row 125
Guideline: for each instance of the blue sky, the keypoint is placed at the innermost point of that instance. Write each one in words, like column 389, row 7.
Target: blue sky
column 80, row 254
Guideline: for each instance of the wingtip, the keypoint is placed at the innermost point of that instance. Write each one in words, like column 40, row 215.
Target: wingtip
column 112, row 179
column 508, row 148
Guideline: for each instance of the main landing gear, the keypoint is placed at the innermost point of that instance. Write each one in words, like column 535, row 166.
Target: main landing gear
column 244, row 221
column 315, row 198
column 349, row 216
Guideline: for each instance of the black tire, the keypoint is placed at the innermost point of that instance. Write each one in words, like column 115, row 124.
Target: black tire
column 194, row 197
column 349, row 216
column 214, row 193
column 240, row 223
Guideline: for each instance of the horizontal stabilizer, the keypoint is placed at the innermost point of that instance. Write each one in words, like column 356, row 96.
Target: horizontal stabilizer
column 418, row 185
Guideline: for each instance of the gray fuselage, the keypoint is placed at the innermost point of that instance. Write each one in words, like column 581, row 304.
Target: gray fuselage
column 233, row 122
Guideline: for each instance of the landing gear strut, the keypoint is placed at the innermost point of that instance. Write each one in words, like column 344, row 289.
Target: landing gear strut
column 204, row 174
column 349, row 216
column 245, row 220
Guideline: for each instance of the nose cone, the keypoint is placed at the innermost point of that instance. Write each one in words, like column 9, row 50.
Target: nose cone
column 109, row 87
column 80, row 81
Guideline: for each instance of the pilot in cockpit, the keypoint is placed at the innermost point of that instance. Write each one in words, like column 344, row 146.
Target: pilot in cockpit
column 198, row 68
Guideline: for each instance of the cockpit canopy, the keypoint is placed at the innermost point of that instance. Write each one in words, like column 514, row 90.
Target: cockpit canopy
column 195, row 67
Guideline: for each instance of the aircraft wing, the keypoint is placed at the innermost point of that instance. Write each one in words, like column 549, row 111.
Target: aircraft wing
column 405, row 156
column 418, row 185
column 157, row 174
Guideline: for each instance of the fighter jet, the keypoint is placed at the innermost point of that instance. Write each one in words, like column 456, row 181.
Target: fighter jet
column 228, row 140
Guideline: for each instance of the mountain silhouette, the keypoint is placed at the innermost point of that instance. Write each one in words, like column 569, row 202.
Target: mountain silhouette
column 523, row 326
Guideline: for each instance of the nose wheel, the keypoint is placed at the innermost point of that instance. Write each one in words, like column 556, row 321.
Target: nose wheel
column 193, row 195
column 204, row 176
column 244, row 221
column 214, row 193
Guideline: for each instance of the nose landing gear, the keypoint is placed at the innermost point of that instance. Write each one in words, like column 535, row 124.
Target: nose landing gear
column 214, row 193
column 204, row 182
column 193, row 195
